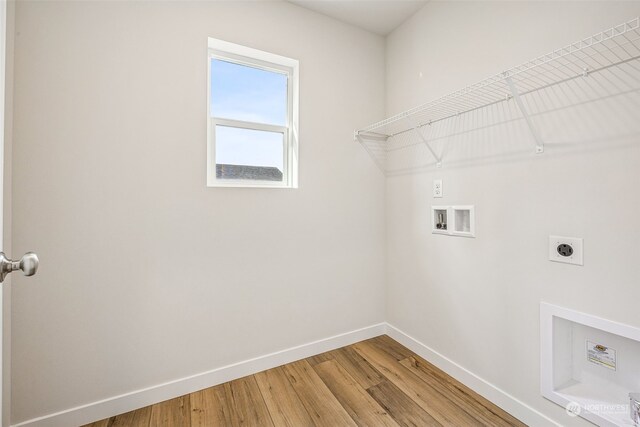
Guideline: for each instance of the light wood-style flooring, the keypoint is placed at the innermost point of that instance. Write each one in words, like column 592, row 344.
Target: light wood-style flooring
column 376, row 382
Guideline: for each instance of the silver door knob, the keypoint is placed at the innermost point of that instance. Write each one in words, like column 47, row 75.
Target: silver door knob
column 28, row 264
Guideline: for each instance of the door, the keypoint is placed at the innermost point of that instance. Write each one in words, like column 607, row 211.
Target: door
column 29, row 262
column 4, row 417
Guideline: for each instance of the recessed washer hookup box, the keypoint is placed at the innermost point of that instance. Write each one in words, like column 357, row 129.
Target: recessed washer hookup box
column 589, row 365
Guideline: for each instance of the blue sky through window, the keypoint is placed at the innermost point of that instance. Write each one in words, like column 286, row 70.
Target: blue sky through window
column 245, row 93
column 250, row 94
column 237, row 146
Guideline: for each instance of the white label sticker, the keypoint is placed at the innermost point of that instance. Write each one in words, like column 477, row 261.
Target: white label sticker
column 601, row 355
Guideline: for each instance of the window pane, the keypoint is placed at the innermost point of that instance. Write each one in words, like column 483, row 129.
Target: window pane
column 249, row 154
column 245, row 93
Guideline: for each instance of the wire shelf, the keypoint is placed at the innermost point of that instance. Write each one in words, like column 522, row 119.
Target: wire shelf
column 613, row 53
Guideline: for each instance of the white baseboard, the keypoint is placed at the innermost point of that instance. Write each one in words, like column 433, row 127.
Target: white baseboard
column 504, row 400
column 137, row 399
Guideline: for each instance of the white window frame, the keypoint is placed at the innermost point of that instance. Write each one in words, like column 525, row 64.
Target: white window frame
column 242, row 55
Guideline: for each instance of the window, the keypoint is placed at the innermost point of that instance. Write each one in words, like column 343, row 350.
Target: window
column 253, row 114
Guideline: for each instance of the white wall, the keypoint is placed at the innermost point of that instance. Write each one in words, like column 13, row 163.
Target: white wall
column 476, row 301
column 146, row 274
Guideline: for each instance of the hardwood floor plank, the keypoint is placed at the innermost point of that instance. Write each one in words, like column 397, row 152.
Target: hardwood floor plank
column 356, row 365
column 322, row 406
column 319, row 358
column 361, row 370
column 439, row 407
column 247, row 404
column 236, row 403
column 391, row 346
column 281, row 399
column 377, row 382
column 138, row 418
column 101, row 423
column 210, row 407
column 362, row 408
column 463, row 396
column 170, row 413
column 402, row 409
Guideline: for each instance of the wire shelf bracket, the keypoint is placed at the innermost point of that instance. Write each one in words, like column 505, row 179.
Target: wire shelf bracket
column 423, row 138
column 525, row 114
column 614, row 49
column 375, row 159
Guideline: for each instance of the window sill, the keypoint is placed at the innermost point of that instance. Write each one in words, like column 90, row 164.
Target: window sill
column 249, row 184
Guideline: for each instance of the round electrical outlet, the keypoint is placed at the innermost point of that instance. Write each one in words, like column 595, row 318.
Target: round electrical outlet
column 565, row 250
